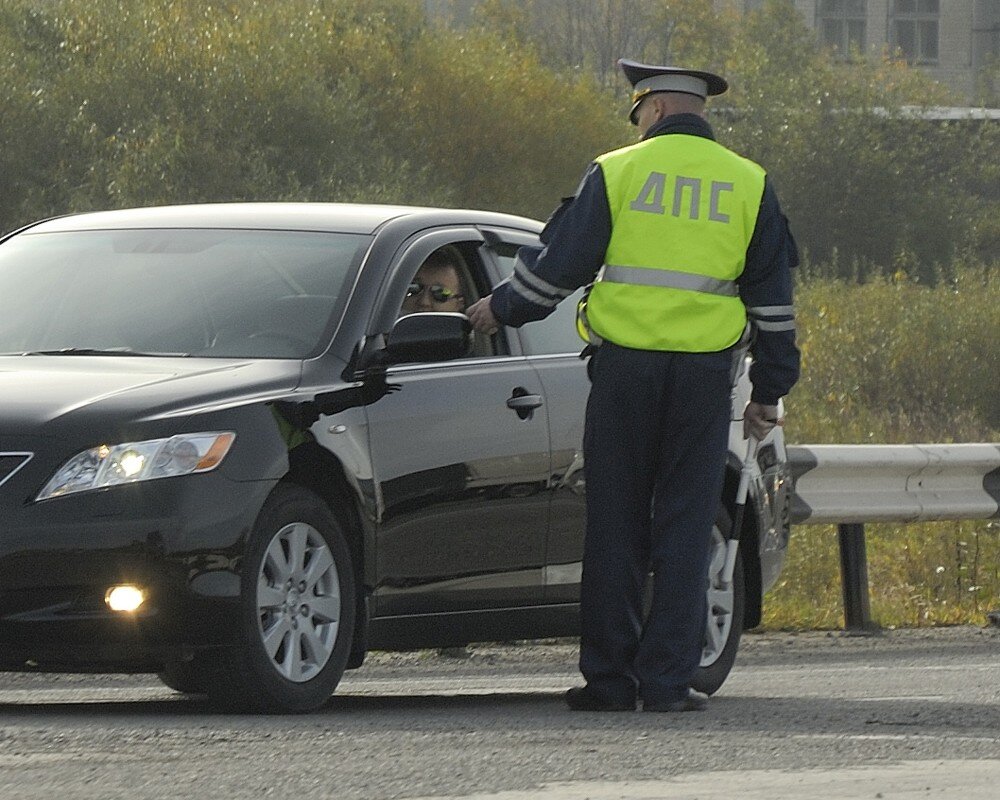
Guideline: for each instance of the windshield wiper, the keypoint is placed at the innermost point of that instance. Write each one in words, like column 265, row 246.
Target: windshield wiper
column 109, row 351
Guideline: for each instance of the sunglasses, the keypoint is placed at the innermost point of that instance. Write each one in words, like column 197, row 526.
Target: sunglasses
column 439, row 293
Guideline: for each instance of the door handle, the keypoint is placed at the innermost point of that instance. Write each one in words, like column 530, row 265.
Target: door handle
column 523, row 402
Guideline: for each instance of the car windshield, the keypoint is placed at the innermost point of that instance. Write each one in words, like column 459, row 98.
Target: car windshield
column 209, row 293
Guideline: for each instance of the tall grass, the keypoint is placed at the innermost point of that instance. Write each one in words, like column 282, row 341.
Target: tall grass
column 941, row 573
column 892, row 360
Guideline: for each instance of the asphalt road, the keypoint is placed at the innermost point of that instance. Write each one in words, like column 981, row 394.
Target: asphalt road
column 906, row 714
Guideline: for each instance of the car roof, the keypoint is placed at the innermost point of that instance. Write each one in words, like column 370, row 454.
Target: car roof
column 333, row 217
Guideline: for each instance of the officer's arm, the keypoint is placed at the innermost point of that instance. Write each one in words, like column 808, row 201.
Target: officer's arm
column 574, row 242
column 766, row 290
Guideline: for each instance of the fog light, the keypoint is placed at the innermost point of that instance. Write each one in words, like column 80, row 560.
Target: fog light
column 124, row 598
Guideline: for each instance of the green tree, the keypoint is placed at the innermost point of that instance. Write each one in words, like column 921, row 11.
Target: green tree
column 492, row 123
column 859, row 175
column 863, row 174
column 592, row 35
column 108, row 103
column 153, row 102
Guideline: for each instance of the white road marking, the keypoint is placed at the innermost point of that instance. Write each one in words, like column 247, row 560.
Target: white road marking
column 909, row 780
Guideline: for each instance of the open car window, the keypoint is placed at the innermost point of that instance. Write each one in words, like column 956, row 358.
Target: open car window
column 554, row 335
column 450, row 279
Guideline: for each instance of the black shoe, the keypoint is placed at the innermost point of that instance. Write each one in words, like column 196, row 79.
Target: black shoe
column 581, row 698
column 693, row 702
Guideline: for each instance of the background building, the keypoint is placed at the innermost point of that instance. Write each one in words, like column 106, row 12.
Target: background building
column 952, row 40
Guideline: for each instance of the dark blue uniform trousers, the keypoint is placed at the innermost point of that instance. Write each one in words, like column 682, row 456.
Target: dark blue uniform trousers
column 654, row 452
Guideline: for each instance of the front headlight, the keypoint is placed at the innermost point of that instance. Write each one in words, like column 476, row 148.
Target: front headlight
column 131, row 462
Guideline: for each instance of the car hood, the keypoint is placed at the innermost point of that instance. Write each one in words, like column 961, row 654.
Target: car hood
column 45, row 392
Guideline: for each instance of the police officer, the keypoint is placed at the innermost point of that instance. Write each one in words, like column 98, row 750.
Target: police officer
column 681, row 239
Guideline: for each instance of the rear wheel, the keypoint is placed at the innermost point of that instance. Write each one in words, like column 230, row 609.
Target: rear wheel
column 724, row 618
column 297, row 610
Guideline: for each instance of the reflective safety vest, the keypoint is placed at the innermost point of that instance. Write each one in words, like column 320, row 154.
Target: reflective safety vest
column 683, row 210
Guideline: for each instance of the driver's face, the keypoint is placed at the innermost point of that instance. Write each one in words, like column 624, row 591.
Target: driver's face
column 434, row 289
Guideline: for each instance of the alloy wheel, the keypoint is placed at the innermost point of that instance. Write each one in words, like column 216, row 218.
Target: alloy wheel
column 298, row 602
column 720, row 603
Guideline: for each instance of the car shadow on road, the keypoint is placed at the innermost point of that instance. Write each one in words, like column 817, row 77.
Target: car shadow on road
column 366, row 703
column 731, row 713
column 530, row 710
column 197, row 705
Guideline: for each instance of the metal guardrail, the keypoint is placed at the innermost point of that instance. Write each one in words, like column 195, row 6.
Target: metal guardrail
column 850, row 485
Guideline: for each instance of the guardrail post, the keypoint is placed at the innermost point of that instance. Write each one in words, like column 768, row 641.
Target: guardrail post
column 854, row 577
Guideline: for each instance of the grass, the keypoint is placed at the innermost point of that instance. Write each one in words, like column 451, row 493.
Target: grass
column 921, row 574
column 894, row 361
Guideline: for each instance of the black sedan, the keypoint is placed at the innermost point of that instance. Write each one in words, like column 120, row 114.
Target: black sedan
column 230, row 456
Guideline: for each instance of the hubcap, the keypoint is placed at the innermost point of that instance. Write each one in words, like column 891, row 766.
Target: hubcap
column 298, row 602
column 720, row 604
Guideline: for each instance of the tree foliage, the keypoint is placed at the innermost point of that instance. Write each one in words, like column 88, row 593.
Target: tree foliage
column 591, row 35
column 493, row 123
column 152, row 102
column 859, row 176
column 863, row 174
column 110, row 103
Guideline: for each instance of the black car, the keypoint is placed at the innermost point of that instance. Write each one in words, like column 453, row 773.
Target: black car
column 226, row 456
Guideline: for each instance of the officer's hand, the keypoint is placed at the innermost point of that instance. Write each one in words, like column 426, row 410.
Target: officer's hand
column 481, row 316
column 759, row 420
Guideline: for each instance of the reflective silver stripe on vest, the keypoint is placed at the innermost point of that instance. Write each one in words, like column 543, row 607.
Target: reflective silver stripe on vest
column 640, row 276
column 532, row 281
column 771, row 311
column 528, row 293
column 757, row 313
column 787, row 325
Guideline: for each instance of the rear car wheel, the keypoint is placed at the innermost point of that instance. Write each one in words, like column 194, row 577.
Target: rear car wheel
column 297, row 610
column 724, row 619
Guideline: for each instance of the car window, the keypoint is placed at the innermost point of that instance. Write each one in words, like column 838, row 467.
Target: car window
column 450, row 279
column 556, row 333
column 211, row 293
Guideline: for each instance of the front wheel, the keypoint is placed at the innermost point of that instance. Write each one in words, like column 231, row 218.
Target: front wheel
column 724, row 618
column 297, row 610
column 183, row 677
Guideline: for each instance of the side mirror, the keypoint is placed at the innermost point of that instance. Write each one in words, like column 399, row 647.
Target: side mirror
column 430, row 336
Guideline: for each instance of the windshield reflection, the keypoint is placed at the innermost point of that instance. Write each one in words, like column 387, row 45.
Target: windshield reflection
column 206, row 293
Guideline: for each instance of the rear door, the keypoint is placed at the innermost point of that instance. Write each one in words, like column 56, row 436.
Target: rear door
column 460, row 477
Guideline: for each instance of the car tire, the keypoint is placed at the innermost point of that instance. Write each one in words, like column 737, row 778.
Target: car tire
column 297, row 611
column 182, row 676
column 725, row 608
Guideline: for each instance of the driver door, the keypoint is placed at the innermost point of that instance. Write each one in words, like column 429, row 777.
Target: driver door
column 460, row 477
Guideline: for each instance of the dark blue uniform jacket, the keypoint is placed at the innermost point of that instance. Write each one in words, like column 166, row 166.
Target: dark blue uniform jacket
column 575, row 240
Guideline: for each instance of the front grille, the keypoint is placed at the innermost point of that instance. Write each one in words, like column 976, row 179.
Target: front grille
column 10, row 463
